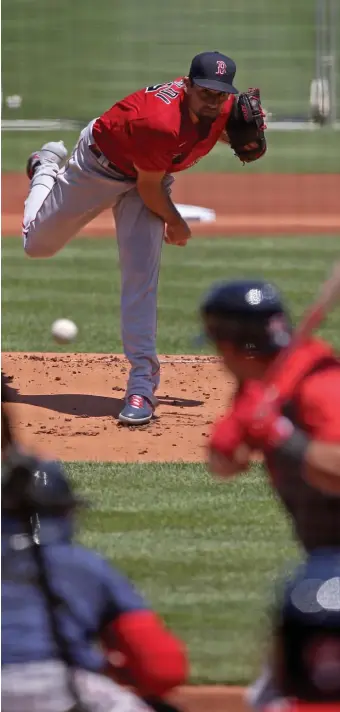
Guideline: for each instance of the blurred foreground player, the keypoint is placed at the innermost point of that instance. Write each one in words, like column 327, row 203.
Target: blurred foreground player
column 299, row 436
column 66, row 614
column 306, row 640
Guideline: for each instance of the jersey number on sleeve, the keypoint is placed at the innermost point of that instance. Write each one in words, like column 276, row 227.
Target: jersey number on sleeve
column 166, row 92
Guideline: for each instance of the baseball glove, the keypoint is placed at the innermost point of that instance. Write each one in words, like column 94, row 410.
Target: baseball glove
column 245, row 127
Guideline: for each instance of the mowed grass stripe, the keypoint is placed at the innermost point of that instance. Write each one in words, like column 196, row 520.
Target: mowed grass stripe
column 83, row 283
column 288, row 151
column 205, row 554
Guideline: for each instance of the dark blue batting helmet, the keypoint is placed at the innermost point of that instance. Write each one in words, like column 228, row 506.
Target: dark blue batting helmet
column 250, row 314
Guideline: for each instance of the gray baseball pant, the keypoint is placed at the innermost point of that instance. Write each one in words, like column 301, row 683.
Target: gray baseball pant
column 57, row 207
column 42, row 687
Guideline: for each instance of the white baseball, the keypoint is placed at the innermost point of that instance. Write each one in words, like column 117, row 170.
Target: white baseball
column 64, row 331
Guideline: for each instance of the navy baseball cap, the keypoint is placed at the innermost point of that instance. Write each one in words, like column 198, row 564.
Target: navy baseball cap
column 213, row 70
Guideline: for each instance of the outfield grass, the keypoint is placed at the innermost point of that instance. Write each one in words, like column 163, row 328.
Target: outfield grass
column 205, row 554
column 82, row 283
column 74, row 59
column 288, row 152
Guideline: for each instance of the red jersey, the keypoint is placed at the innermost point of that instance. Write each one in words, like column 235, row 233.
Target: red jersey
column 314, row 407
column 153, row 130
column 310, row 387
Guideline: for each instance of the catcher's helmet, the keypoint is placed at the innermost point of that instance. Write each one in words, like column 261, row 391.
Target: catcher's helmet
column 247, row 313
column 38, row 490
column 29, row 484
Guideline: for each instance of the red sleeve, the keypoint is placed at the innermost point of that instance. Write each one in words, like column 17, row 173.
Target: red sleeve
column 152, row 147
column 319, row 405
column 155, row 659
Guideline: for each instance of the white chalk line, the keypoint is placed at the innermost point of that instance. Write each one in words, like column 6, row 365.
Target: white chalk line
column 198, row 359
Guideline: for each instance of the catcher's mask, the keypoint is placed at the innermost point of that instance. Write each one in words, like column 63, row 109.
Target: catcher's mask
column 248, row 314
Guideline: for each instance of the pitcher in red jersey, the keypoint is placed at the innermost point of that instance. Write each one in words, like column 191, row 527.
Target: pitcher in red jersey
column 299, row 436
column 125, row 160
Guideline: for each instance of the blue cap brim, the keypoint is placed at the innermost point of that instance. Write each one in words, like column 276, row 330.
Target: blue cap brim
column 215, row 85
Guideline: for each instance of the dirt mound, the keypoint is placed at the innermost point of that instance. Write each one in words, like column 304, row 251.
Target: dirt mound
column 68, row 405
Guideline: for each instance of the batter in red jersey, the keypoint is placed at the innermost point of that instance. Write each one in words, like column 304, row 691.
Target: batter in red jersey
column 298, row 435
column 125, row 160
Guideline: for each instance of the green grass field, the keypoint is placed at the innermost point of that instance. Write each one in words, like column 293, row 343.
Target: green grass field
column 74, row 59
column 83, row 282
column 288, row 152
column 203, row 553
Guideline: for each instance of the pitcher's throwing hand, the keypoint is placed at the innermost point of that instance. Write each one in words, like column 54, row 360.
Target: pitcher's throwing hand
column 178, row 233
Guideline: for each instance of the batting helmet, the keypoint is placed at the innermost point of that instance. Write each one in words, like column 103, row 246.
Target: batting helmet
column 307, row 628
column 247, row 313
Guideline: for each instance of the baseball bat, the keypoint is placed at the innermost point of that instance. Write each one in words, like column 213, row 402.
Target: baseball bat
column 328, row 297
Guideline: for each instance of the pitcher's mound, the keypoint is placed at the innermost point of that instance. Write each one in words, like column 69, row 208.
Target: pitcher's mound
column 67, row 406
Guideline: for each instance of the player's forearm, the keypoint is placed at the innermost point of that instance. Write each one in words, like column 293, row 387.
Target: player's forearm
column 319, row 462
column 322, row 466
column 223, row 466
column 156, row 198
column 324, row 456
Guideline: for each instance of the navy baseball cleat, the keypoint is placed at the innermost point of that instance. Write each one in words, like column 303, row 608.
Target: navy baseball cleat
column 137, row 411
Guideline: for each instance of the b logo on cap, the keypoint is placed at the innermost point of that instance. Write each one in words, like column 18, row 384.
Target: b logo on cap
column 221, row 67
